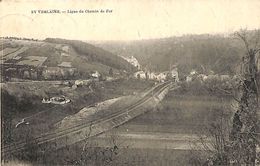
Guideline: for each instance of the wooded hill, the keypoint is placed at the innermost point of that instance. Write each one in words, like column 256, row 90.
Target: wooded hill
column 203, row 53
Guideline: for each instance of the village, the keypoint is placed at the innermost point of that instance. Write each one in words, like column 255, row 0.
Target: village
column 32, row 68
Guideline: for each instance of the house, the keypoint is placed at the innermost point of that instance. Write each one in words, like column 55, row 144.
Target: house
column 225, row 77
column 174, row 74
column 65, row 49
column 193, row 72
column 214, row 77
column 64, row 54
column 140, row 74
column 82, row 82
column 152, row 76
column 68, row 72
column 162, row 76
column 96, row 74
column 191, row 76
column 202, row 77
column 79, row 83
column 51, row 73
column 26, row 74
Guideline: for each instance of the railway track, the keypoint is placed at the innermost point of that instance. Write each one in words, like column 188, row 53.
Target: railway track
column 84, row 131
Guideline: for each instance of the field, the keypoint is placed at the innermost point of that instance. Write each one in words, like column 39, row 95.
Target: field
column 181, row 114
column 85, row 58
column 158, row 137
column 33, row 61
column 15, row 53
column 7, row 51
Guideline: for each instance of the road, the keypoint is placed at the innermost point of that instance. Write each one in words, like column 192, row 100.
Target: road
column 32, row 82
column 55, row 82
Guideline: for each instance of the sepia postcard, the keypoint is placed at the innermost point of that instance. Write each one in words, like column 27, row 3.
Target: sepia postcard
column 130, row 83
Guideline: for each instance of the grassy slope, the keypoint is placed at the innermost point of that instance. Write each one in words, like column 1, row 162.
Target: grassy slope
column 85, row 57
column 95, row 54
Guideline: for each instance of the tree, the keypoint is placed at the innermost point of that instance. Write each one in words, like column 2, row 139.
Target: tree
column 110, row 72
column 243, row 136
column 9, row 106
column 146, row 76
column 91, row 155
column 239, row 147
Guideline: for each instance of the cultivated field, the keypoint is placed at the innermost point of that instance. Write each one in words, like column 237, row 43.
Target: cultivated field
column 14, row 54
column 7, row 51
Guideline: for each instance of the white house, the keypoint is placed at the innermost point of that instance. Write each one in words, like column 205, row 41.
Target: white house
column 193, row 72
column 191, row 76
column 140, row 74
column 188, row 78
column 51, row 72
column 202, row 77
column 225, row 77
column 152, row 76
column 174, row 74
column 96, row 74
column 162, row 76
column 79, row 82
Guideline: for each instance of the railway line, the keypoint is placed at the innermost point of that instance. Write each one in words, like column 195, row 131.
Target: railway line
column 62, row 137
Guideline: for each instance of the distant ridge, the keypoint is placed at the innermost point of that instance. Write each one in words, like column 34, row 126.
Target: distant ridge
column 220, row 53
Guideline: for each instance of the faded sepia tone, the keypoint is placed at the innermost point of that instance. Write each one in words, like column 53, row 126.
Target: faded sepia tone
column 170, row 82
column 138, row 20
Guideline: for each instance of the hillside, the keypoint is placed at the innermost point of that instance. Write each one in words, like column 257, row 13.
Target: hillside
column 201, row 52
column 57, row 59
column 95, row 54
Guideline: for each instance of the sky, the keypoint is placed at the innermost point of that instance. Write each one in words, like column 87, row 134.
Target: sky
column 129, row 20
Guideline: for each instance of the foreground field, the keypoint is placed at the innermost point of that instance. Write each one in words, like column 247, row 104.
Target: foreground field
column 166, row 136
column 182, row 114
